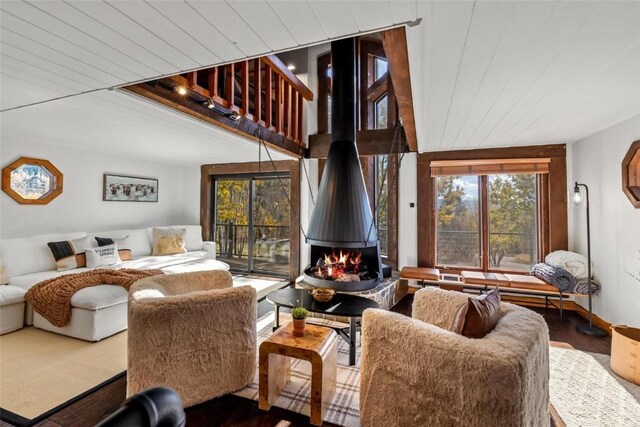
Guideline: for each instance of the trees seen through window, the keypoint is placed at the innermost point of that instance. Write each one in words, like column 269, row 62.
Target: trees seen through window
column 509, row 217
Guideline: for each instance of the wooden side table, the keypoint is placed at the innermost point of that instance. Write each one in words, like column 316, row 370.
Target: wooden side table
column 319, row 346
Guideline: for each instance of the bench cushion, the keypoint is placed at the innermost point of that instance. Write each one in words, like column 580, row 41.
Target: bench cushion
column 420, row 273
column 481, row 278
column 523, row 281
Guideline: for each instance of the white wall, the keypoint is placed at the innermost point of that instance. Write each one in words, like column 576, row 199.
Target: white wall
column 191, row 194
column 407, row 215
column 80, row 206
column 615, row 223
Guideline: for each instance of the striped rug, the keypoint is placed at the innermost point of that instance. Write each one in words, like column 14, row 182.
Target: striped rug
column 296, row 396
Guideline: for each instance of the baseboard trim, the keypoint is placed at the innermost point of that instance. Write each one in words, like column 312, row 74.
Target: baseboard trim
column 600, row 323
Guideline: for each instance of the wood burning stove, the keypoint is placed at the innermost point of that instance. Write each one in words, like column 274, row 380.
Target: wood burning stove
column 341, row 231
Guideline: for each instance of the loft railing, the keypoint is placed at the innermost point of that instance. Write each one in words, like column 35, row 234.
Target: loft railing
column 263, row 90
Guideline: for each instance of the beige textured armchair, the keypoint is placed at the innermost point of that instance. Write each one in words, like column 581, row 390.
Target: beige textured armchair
column 192, row 332
column 414, row 372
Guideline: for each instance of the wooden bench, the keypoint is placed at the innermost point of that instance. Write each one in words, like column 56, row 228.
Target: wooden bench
column 519, row 284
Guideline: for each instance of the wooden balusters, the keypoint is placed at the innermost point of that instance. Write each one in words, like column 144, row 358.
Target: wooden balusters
column 244, row 88
column 212, row 82
column 268, row 96
column 257, row 90
column 287, row 110
column 293, row 133
column 229, row 83
column 300, row 114
column 279, row 105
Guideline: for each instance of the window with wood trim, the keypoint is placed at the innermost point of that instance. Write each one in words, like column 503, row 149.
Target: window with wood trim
column 491, row 214
column 487, row 221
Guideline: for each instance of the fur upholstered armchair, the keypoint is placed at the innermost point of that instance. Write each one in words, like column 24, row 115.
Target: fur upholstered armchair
column 415, row 372
column 191, row 332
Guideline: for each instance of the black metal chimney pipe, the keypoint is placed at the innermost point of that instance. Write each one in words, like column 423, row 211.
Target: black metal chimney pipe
column 343, row 90
column 342, row 216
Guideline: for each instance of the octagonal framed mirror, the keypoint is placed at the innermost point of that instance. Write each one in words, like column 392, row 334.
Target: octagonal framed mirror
column 631, row 174
column 31, row 181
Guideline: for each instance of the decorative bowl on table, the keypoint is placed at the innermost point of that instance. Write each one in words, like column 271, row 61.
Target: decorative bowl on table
column 322, row 294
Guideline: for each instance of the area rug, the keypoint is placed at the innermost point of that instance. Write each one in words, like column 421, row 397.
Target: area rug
column 296, row 396
column 42, row 372
column 585, row 392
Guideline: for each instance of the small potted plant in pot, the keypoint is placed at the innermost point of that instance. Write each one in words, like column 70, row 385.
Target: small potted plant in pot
column 299, row 315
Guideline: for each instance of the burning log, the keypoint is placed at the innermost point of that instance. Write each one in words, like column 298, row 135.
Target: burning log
column 341, row 267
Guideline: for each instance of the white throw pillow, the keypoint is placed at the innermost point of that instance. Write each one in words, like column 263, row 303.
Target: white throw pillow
column 102, row 256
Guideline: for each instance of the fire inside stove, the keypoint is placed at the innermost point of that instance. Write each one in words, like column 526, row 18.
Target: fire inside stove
column 341, row 266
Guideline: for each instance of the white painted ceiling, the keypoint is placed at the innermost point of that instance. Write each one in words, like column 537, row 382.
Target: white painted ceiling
column 484, row 74
column 498, row 74
column 55, row 48
column 119, row 122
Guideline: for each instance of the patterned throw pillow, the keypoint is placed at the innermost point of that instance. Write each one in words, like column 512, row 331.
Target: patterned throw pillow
column 70, row 254
column 124, row 246
column 168, row 241
column 102, row 256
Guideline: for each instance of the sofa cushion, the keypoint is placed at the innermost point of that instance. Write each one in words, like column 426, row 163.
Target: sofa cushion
column 140, row 243
column 478, row 316
column 168, row 241
column 98, row 297
column 192, row 236
column 26, row 255
column 70, row 254
column 11, row 295
column 124, row 246
column 28, row 280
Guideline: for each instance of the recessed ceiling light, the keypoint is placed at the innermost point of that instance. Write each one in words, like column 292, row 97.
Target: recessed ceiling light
column 181, row 90
column 291, row 67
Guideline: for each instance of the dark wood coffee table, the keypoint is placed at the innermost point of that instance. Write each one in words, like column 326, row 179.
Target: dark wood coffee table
column 350, row 306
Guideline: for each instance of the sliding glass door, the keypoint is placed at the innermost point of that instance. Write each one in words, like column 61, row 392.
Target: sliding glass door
column 251, row 223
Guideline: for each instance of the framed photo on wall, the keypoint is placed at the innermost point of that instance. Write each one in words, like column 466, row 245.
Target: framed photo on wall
column 120, row 188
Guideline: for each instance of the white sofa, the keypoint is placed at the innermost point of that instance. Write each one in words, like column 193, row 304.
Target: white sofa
column 99, row 311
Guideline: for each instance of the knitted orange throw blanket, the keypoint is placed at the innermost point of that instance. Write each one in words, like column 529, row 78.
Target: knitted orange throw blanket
column 52, row 298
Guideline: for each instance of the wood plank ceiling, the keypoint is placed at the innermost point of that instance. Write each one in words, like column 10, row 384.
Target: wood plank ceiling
column 484, row 74
column 58, row 48
column 496, row 74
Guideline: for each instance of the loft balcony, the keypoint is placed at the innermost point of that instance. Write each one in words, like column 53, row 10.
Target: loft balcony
column 249, row 97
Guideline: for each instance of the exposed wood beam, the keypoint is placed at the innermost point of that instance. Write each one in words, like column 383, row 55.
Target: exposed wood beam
column 370, row 143
column 163, row 93
column 394, row 42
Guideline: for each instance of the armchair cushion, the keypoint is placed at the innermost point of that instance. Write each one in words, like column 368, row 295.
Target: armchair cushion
column 437, row 306
column 192, row 332
column 418, row 374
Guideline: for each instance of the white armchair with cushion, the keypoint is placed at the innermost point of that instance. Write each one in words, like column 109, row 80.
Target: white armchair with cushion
column 415, row 372
column 191, row 332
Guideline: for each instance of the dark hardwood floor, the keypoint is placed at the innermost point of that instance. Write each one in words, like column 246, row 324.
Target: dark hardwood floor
column 235, row 411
